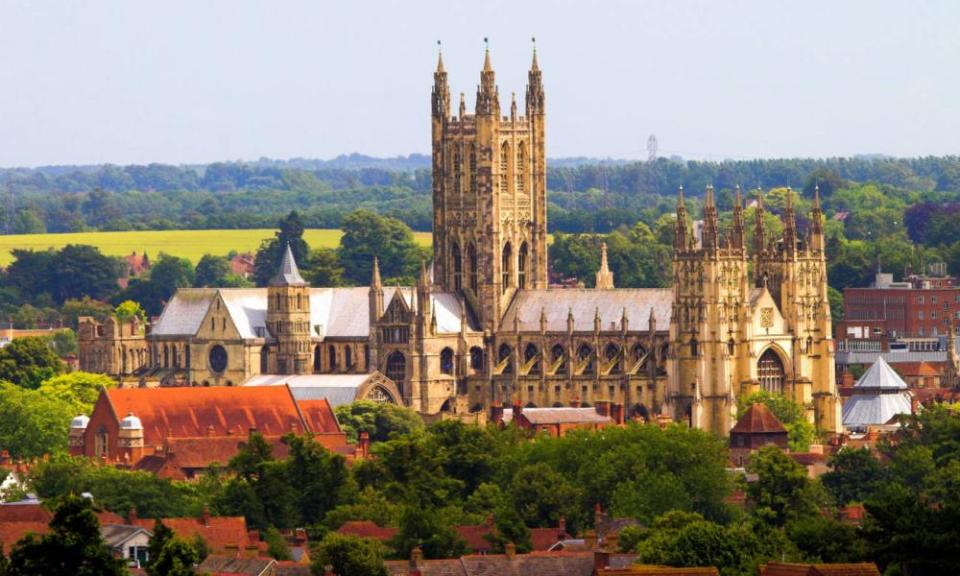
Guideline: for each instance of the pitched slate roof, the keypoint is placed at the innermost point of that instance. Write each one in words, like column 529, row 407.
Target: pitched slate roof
column 288, row 274
column 367, row 529
column 560, row 415
column 117, row 534
column 334, row 312
column 758, row 419
column 584, row 304
column 787, row 569
column 224, row 565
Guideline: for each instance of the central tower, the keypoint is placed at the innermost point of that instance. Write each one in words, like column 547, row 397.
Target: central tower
column 489, row 194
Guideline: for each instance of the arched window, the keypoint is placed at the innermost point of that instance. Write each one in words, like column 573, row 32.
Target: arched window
column 771, row 372
column 504, row 168
column 332, row 358
column 504, row 354
column 694, row 347
column 731, row 347
column 505, row 267
column 457, row 266
column 611, row 352
column 264, row 360
column 366, row 357
column 397, row 368
column 809, row 344
column 348, row 358
column 529, row 353
column 446, row 361
column 476, row 360
column 317, row 359
column 557, row 353
column 299, row 301
column 472, row 257
column 522, row 266
column 102, row 443
column 186, row 356
column 457, row 169
column 584, row 352
column 166, row 356
column 521, row 167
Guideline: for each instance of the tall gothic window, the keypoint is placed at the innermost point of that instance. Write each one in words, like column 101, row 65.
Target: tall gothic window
column 521, row 168
column 504, row 168
column 504, row 354
column 317, row 361
column 557, row 353
column 505, row 267
column 639, row 352
column 397, row 368
column 348, row 358
column 611, row 352
column 472, row 257
column 583, row 353
column 264, row 360
column 332, row 358
column 457, row 266
column 457, row 170
column 522, row 266
column 476, row 360
column 473, row 167
column 771, row 372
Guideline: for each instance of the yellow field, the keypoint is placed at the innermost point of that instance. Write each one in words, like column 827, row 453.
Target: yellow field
column 191, row 244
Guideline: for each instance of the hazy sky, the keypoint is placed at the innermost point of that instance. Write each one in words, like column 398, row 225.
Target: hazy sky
column 196, row 81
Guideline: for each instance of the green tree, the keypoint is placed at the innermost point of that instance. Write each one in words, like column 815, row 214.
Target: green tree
column 348, row 555
column 425, row 529
column 324, row 269
column 29, row 361
column 782, row 491
column 177, row 557
column 34, row 424
column 211, row 272
column 129, row 310
column 27, row 222
column 277, row 547
column 379, row 420
column 79, row 389
column 821, row 539
column 161, row 535
column 73, row 546
column 80, row 271
column 64, row 342
column 367, row 234
column 73, row 309
column 854, row 476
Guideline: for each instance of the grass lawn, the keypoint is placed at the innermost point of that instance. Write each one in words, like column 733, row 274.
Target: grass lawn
column 191, row 244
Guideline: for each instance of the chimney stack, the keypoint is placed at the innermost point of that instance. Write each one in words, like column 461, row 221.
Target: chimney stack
column 132, row 516
column 363, row 445
column 205, row 516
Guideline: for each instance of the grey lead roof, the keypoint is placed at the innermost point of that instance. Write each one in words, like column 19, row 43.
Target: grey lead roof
column 288, row 274
column 879, row 395
column 337, row 389
column 560, row 415
column 585, row 303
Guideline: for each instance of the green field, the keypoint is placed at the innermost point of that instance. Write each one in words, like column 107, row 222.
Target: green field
column 191, row 244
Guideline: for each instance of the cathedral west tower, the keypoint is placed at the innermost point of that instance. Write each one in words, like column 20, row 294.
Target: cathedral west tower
column 489, row 194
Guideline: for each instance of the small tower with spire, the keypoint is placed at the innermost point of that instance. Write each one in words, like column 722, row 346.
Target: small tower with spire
column 680, row 228
column 711, row 234
column 604, row 275
column 288, row 316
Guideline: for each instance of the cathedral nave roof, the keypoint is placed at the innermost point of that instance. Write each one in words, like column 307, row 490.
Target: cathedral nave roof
column 584, row 304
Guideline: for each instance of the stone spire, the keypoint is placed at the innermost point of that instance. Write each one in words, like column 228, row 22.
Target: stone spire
column 375, row 281
column 535, row 94
column 710, row 236
column 441, row 90
column 376, row 293
column 604, row 275
column 737, row 232
column 816, row 222
column 488, row 98
column 680, row 229
column 288, row 274
column 789, row 224
column 759, row 240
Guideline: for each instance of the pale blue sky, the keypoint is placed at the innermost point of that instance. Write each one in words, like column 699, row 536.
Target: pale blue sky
column 196, row 81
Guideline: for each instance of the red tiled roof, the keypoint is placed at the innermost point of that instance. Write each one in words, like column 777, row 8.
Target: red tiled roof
column 544, row 538
column 38, row 513
column 319, row 416
column 758, row 420
column 208, row 411
column 219, row 532
column 907, row 369
column 475, row 536
column 787, row 569
column 368, row 529
column 647, row 570
column 13, row 532
column 532, row 564
column 807, row 458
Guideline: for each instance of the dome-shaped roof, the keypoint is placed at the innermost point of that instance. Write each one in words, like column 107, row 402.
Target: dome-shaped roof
column 131, row 422
column 80, row 421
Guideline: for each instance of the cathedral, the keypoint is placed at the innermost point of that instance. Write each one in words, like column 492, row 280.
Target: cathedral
column 482, row 328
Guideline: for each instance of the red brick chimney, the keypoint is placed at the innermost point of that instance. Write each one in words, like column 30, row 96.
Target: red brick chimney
column 517, row 409
column 562, row 528
column 616, row 413
column 132, row 516
column 205, row 516
column 5, row 457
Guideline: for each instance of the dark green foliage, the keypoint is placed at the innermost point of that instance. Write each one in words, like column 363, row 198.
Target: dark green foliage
column 277, row 547
column 211, row 272
column 377, row 420
column 823, row 539
column 323, row 268
column 29, row 361
column 365, row 235
column 425, row 529
column 161, row 535
column 177, row 557
column 854, row 476
column 348, row 555
column 73, row 546
column 782, row 491
column 167, row 274
column 83, row 271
